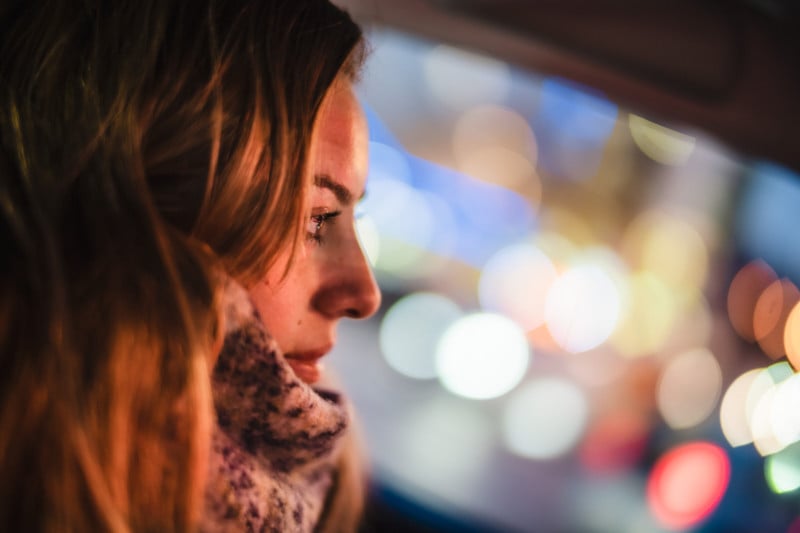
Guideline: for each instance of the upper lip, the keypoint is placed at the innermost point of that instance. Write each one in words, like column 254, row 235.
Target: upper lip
column 309, row 355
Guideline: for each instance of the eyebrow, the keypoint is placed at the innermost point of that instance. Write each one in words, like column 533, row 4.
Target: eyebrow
column 341, row 192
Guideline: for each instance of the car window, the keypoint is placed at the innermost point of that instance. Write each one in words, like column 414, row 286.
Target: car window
column 589, row 318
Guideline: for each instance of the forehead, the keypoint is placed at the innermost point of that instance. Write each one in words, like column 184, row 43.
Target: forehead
column 340, row 139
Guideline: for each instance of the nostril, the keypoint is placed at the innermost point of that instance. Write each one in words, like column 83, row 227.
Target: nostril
column 353, row 313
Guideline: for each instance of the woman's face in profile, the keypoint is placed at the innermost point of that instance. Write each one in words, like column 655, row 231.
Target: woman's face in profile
column 330, row 277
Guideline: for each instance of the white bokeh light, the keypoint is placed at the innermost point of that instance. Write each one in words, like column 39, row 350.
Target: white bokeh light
column 785, row 415
column 482, row 355
column 545, row 418
column 369, row 238
column 582, row 308
column 733, row 412
column 405, row 222
column 412, row 328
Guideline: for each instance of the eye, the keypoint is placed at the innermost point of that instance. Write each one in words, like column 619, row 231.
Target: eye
column 316, row 225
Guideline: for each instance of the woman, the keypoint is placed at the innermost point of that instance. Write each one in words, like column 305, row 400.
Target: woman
column 177, row 182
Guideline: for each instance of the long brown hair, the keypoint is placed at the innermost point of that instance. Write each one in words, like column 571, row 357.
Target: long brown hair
column 144, row 145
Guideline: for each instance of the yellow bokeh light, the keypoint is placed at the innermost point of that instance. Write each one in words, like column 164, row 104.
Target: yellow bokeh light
column 648, row 317
column 668, row 247
column 659, row 143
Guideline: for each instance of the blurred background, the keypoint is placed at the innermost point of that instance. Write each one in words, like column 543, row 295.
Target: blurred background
column 589, row 318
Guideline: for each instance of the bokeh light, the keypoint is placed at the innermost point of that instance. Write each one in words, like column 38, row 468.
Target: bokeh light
column 582, row 308
column 651, row 243
column 495, row 144
column 770, row 315
column 791, row 337
column 387, row 163
column 659, row 143
column 369, row 238
column 761, row 407
column 734, row 413
column 411, row 330
column 405, row 222
column 689, row 388
column 493, row 126
column 647, row 318
column 743, row 292
column 459, row 79
column 515, row 282
column 687, row 483
column 501, row 166
column 482, row 355
column 534, row 428
column 785, row 415
column 782, row 470
column 437, row 463
column 767, row 218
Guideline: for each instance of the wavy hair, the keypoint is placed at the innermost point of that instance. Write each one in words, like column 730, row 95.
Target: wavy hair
column 144, row 146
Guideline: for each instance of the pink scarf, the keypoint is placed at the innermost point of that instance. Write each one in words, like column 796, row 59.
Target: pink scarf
column 274, row 446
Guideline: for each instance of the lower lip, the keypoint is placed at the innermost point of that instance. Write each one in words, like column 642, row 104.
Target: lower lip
column 308, row 371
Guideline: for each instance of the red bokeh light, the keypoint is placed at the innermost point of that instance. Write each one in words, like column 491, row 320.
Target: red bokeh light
column 687, row 483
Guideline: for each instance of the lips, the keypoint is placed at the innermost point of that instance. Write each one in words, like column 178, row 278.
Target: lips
column 306, row 365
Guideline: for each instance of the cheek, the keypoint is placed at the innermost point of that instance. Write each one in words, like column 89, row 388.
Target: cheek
column 282, row 301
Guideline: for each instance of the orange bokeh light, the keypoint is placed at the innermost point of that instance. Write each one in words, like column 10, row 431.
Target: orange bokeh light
column 770, row 315
column 746, row 286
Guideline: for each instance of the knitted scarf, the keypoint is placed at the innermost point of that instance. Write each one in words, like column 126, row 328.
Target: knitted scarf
column 274, row 446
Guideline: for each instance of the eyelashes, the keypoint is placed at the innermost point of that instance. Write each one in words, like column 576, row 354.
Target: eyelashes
column 315, row 228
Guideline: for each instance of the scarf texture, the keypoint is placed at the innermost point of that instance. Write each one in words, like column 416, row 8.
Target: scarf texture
column 276, row 439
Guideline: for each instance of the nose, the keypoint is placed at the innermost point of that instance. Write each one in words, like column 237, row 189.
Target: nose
column 350, row 289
